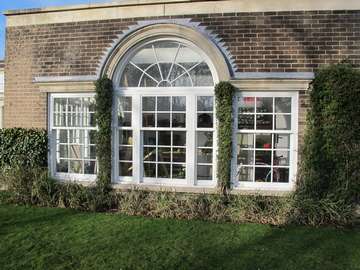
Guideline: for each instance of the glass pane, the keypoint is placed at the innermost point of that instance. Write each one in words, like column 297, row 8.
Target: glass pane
column 125, row 137
column 245, row 140
column 90, row 167
column 263, row 141
column 246, row 174
column 179, row 120
column 201, row 75
column 204, row 139
column 62, row 166
column 246, row 105
column 262, row 174
column 205, row 104
column 76, row 151
column 154, row 72
column 263, row 158
column 125, row 169
column 281, row 158
column 149, row 137
column 92, row 136
column 60, row 104
column 264, row 105
column 148, row 119
column 246, row 157
column 179, row 155
column 264, row 122
column 144, row 57
column 204, row 172
column 164, row 154
column 90, row 152
column 148, row 103
column 63, row 151
column 246, row 121
column 178, row 171
column 205, row 120
column 187, row 57
column 125, row 153
column 163, row 103
column 149, row 154
column 283, row 105
column 164, row 138
column 179, row 138
column 125, row 104
column 76, row 166
column 148, row 82
column 281, row 175
column 76, row 136
column 204, row 155
column 163, row 119
column 62, row 136
column 124, row 119
column 283, row 122
column 179, row 77
column 130, row 77
column 179, row 104
column 149, row 170
column 163, row 170
column 281, row 141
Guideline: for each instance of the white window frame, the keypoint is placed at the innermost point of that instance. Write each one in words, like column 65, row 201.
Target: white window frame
column 266, row 186
column 52, row 140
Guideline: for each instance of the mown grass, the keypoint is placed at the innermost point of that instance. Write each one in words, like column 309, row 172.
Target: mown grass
column 44, row 238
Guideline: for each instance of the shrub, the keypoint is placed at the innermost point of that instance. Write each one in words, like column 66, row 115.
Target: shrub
column 23, row 147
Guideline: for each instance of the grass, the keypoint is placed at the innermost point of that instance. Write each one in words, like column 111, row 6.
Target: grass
column 43, row 238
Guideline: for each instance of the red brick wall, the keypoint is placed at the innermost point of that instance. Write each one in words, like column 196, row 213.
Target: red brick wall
column 260, row 42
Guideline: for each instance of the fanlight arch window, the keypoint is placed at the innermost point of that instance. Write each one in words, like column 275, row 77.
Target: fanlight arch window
column 166, row 63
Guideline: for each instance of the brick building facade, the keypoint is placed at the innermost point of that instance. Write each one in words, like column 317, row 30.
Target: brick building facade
column 269, row 47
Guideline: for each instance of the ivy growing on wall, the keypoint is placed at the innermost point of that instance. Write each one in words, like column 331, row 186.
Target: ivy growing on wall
column 224, row 92
column 103, row 98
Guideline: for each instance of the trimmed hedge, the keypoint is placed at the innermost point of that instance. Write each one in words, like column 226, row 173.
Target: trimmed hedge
column 23, row 147
column 224, row 92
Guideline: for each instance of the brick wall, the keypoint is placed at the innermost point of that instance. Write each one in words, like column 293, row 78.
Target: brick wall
column 260, row 42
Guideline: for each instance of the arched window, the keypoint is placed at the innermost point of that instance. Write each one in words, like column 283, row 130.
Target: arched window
column 164, row 121
column 166, row 63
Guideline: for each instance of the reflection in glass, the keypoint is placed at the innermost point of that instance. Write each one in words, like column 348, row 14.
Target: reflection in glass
column 148, row 120
column 246, row 157
column 149, row 170
column 263, row 158
column 179, row 154
column 204, row 156
column 281, row 158
column 149, row 154
column 283, row 105
column 205, row 103
column 163, row 170
column 179, row 138
column 178, row 171
column 264, row 122
column 281, row 175
column 246, row 105
column 245, row 140
column 246, row 121
column 264, row 105
column 204, row 139
column 263, row 141
column 125, row 169
column 148, row 103
column 281, row 141
column 204, row 172
column 246, row 174
column 262, row 174
column 205, row 120
column 282, row 122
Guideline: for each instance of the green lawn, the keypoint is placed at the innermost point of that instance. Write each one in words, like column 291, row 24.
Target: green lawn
column 41, row 238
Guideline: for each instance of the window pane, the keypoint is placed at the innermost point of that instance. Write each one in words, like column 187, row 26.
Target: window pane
column 246, row 121
column 179, row 138
column 283, row 105
column 282, row 141
column 201, row 75
column 205, row 104
column 163, row 103
column 179, row 120
column 164, row 138
column 125, row 137
column 149, row 170
column 204, row 139
column 125, row 153
column 264, row 105
column 262, row 174
column 62, row 135
column 125, row 169
column 263, row 158
column 76, row 166
column 264, row 122
column 76, row 151
column 148, row 119
column 164, row 170
column 149, row 137
column 263, row 141
column 63, row 151
column 283, row 122
column 179, row 155
column 205, row 120
column 124, row 119
column 130, row 76
column 163, row 120
column 245, row 140
column 125, row 104
column 246, row 105
column 204, row 155
column 164, row 154
column 246, row 174
column 149, row 154
column 204, row 172
column 148, row 103
column 179, row 104
column 246, row 157
column 62, row 166
column 90, row 167
column 178, row 171
column 281, row 158
column 281, row 175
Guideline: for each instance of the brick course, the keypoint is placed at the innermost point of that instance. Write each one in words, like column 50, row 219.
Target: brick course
column 260, row 42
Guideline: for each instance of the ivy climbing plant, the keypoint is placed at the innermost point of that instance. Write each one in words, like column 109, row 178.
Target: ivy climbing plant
column 103, row 99
column 224, row 92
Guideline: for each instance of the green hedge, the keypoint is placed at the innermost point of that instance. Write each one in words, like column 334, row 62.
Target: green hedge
column 23, row 147
column 330, row 168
